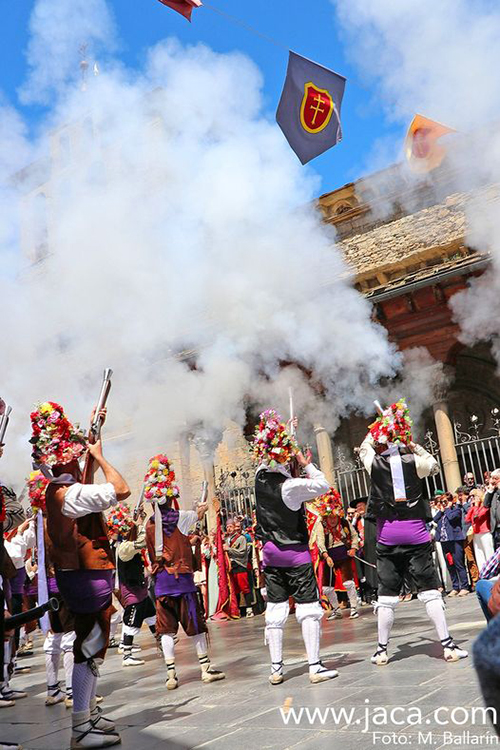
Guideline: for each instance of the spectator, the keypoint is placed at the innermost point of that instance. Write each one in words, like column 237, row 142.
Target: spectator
column 438, row 554
column 465, row 499
column 488, row 577
column 492, row 501
column 450, row 533
column 479, row 517
column 469, row 482
column 237, row 550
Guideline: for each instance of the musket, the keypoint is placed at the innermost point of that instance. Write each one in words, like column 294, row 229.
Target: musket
column 204, row 492
column 292, row 415
column 379, row 409
column 4, row 422
column 96, row 426
column 138, row 505
column 16, row 621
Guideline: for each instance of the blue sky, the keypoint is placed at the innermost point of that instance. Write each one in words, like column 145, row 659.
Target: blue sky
column 308, row 28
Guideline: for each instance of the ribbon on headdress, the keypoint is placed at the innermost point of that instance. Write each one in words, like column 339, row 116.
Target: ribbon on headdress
column 43, row 587
column 158, row 531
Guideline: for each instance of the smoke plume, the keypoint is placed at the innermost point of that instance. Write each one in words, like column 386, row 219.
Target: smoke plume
column 164, row 229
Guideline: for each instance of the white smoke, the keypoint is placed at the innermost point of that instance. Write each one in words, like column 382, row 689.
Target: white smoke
column 442, row 60
column 176, row 219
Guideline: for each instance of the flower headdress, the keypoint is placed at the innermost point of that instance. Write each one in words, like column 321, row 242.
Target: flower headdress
column 393, row 425
column 55, row 440
column 37, row 484
column 159, row 482
column 272, row 442
column 119, row 520
column 330, row 503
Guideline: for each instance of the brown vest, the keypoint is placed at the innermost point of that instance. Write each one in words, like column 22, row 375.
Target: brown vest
column 76, row 544
column 177, row 555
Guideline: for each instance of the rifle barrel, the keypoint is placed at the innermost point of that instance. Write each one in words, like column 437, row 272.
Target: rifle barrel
column 16, row 621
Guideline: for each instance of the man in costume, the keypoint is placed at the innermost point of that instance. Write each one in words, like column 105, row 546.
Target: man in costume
column 58, row 626
column 367, row 533
column 337, row 543
column 237, row 551
column 138, row 607
column 13, row 518
column 281, row 526
column 396, row 467
column 169, row 548
column 81, row 555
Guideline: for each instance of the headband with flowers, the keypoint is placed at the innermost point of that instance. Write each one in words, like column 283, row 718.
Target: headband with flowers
column 55, row 440
column 119, row 520
column 37, row 484
column 330, row 503
column 393, row 425
column 159, row 482
column 272, row 442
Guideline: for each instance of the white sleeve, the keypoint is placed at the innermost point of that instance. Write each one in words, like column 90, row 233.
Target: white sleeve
column 187, row 519
column 425, row 464
column 297, row 491
column 16, row 550
column 29, row 535
column 82, row 499
column 367, row 453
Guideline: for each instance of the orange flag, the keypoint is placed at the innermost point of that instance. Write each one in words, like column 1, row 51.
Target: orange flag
column 184, row 7
column 422, row 149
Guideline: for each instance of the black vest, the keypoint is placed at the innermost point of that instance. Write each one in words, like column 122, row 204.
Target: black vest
column 131, row 573
column 381, row 502
column 275, row 522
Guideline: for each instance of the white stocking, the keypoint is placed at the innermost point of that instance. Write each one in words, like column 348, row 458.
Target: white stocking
column 350, row 587
column 311, row 631
column 200, row 642
column 331, row 595
column 168, row 646
column 435, row 609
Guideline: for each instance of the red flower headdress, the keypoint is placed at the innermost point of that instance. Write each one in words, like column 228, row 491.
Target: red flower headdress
column 37, row 485
column 55, row 440
column 330, row 503
column 393, row 425
column 159, row 482
column 272, row 443
column 119, row 520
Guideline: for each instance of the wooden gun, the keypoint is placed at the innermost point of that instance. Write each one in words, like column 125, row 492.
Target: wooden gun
column 96, row 426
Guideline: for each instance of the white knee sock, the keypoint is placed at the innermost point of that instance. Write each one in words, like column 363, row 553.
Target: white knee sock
column 168, row 646
column 200, row 642
column 311, row 631
column 350, row 587
column 274, row 639
column 68, row 661
column 52, row 669
column 83, row 685
column 435, row 610
column 331, row 595
column 385, row 622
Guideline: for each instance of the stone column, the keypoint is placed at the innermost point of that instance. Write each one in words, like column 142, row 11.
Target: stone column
column 446, row 440
column 209, row 474
column 325, row 453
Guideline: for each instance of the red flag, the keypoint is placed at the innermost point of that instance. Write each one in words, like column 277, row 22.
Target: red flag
column 184, row 7
column 227, row 606
column 423, row 150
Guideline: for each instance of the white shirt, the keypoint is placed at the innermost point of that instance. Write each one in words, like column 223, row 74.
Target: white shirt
column 187, row 519
column 425, row 464
column 295, row 492
column 19, row 545
column 82, row 499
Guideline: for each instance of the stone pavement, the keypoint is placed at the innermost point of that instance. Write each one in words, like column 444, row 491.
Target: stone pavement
column 244, row 710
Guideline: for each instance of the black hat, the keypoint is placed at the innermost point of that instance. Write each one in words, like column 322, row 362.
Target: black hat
column 357, row 500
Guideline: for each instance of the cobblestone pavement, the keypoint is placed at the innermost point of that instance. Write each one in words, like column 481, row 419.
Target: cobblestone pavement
column 244, row 710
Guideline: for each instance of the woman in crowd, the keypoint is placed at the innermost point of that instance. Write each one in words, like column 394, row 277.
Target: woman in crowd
column 479, row 518
column 450, row 533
